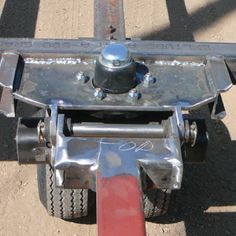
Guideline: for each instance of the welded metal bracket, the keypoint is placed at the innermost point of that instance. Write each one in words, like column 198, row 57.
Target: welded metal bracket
column 80, row 158
column 57, row 76
column 177, row 83
column 8, row 66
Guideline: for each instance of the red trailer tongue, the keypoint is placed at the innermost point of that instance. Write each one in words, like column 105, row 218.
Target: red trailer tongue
column 119, row 206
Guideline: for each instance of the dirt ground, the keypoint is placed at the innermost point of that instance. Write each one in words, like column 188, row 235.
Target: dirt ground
column 206, row 205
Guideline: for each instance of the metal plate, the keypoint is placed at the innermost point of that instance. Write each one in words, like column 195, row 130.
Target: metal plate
column 138, row 47
column 178, row 83
column 159, row 158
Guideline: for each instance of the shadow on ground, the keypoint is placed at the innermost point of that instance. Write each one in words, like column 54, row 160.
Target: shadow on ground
column 18, row 20
column 182, row 25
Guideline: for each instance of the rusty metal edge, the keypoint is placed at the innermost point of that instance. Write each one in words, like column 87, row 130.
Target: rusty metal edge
column 109, row 20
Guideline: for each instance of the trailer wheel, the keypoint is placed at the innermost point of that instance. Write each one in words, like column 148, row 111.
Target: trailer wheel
column 156, row 202
column 66, row 204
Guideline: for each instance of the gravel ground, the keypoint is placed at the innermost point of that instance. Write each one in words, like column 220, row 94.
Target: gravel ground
column 206, row 205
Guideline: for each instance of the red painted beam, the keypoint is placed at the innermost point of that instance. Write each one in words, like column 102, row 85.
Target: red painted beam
column 119, row 206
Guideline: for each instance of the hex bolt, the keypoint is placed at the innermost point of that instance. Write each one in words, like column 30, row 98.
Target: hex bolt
column 99, row 94
column 82, row 77
column 134, row 94
column 148, row 80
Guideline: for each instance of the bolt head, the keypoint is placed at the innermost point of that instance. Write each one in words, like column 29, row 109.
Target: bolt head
column 82, row 77
column 148, row 80
column 134, row 94
column 99, row 94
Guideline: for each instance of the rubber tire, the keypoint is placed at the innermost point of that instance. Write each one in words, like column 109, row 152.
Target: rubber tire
column 156, row 202
column 66, row 204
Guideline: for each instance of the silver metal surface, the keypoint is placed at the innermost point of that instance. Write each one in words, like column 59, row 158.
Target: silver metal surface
column 217, row 109
column 180, row 83
column 8, row 66
column 115, row 55
column 134, row 95
column 119, row 130
column 82, row 157
column 81, row 47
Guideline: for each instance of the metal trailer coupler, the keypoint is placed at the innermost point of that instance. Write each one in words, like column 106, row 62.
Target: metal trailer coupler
column 112, row 115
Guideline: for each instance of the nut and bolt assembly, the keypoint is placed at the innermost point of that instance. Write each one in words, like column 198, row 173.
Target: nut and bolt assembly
column 148, row 80
column 99, row 94
column 134, row 95
column 82, row 77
